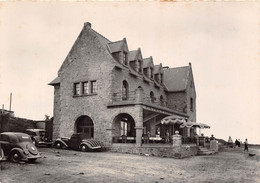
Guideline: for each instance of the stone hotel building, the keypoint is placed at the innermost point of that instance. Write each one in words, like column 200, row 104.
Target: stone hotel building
column 108, row 91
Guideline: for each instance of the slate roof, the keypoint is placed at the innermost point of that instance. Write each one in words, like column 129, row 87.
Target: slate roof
column 148, row 62
column 175, row 79
column 157, row 69
column 132, row 55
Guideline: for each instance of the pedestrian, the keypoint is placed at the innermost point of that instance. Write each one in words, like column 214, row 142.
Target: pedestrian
column 212, row 137
column 167, row 139
column 246, row 145
column 230, row 142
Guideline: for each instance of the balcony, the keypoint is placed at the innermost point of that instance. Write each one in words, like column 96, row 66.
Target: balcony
column 133, row 98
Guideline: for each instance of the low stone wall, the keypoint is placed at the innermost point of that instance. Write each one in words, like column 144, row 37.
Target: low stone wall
column 183, row 151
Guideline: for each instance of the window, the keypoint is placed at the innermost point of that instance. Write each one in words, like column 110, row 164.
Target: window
column 76, row 88
column 139, row 66
column 191, row 104
column 125, row 90
column 152, row 73
column 93, row 86
column 124, row 58
column 123, row 128
column 85, row 88
column 152, row 97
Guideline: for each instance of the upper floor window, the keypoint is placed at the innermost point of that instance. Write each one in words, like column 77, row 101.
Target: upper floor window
column 93, row 86
column 152, row 97
column 139, row 66
column 152, row 73
column 85, row 88
column 124, row 58
column 125, row 90
column 76, row 88
column 191, row 104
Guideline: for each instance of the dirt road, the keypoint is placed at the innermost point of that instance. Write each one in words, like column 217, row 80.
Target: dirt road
column 73, row 166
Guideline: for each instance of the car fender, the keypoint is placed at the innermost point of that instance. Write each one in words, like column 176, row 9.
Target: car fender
column 61, row 141
column 92, row 144
column 24, row 157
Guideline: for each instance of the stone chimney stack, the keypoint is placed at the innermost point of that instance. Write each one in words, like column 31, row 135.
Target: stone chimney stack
column 87, row 25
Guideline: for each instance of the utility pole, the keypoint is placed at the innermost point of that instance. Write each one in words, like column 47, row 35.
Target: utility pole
column 10, row 102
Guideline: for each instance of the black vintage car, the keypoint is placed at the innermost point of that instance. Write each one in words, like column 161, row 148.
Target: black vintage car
column 39, row 137
column 17, row 147
column 79, row 141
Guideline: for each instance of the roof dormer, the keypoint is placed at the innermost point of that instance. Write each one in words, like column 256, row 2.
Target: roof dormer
column 148, row 67
column 135, row 59
column 158, row 73
column 119, row 50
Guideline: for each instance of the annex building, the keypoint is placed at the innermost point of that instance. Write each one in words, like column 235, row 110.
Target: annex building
column 108, row 91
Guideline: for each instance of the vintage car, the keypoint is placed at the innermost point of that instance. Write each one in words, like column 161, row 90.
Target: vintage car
column 39, row 137
column 79, row 141
column 17, row 147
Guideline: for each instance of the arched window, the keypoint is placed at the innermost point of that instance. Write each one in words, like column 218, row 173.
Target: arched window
column 152, row 97
column 125, row 90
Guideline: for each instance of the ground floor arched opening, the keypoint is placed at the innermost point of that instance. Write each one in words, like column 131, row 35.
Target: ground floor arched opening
column 124, row 126
column 84, row 124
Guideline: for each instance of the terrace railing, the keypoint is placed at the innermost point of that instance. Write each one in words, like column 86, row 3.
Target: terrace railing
column 131, row 96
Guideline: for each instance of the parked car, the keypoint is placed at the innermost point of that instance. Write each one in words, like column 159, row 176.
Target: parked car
column 18, row 147
column 39, row 137
column 79, row 141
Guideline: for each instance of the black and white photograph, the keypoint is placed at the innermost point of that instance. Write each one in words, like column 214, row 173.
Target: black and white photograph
column 129, row 91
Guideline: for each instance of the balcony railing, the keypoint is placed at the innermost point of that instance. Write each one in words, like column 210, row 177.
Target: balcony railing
column 131, row 96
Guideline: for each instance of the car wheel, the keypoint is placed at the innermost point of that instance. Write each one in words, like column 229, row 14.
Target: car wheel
column 58, row 145
column 15, row 156
column 32, row 160
column 84, row 148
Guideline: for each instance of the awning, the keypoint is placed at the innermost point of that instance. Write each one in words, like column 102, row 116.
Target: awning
column 203, row 125
column 194, row 124
column 173, row 119
column 190, row 124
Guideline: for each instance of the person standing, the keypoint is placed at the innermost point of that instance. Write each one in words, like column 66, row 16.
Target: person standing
column 246, row 145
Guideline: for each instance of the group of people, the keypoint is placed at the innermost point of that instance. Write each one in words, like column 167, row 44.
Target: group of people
column 238, row 143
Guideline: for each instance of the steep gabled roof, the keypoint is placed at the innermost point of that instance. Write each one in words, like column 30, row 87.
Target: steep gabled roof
column 148, row 62
column 176, row 79
column 158, row 69
column 135, row 55
column 118, row 46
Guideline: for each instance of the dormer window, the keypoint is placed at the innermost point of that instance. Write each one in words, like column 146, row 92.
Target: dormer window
column 139, row 66
column 151, row 73
column 124, row 58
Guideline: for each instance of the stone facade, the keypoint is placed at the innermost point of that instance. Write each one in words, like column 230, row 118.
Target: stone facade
column 97, row 81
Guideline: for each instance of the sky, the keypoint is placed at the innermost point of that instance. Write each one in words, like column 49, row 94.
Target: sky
column 220, row 39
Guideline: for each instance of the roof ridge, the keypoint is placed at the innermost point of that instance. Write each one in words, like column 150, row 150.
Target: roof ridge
column 101, row 35
column 175, row 67
column 116, row 41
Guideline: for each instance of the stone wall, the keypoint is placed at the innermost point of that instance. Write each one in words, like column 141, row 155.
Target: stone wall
column 163, row 151
column 14, row 124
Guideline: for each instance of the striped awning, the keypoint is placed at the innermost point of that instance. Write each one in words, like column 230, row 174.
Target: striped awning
column 194, row 124
column 173, row 119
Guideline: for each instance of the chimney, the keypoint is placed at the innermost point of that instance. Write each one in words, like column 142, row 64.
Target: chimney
column 87, row 25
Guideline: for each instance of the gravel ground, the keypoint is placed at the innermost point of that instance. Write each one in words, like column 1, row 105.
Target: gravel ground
column 73, row 166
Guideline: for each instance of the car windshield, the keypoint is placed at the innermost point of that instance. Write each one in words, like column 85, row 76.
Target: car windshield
column 24, row 138
column 42, row 133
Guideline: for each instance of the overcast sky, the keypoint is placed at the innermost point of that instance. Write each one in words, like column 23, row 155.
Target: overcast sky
column 221, row 40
